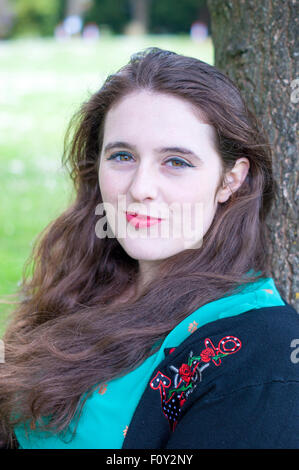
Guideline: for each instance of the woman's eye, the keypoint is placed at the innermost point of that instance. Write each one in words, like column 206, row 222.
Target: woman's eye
column 125, row 157
column 119, row 154
column 179, row 163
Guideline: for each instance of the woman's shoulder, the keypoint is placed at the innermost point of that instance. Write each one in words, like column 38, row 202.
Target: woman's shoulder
column 266, row 324
column 256, row 347
column 247, row 383
column 235, row 371
column 277, row 321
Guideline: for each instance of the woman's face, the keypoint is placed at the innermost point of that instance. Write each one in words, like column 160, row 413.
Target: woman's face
column 149, row 172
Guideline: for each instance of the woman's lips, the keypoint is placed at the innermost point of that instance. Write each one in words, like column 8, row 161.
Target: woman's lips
column 141, row 221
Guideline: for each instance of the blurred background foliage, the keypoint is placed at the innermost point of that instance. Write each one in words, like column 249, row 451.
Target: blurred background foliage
column 40, row 17
column 37, row 17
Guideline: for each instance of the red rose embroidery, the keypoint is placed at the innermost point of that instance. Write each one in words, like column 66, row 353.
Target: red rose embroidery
column 182, row 401
column 186, row 373
column 174, row 393
column 206, row 354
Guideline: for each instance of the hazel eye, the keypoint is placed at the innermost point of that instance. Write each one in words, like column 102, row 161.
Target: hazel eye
column 119, row 154
column 181, row 163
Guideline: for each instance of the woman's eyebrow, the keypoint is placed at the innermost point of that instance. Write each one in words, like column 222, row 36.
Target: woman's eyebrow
column 182, row 150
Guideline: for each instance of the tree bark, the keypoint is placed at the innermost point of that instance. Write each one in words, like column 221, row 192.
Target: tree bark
column 256, row 46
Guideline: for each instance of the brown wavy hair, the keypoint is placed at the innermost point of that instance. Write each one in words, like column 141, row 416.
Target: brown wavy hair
column 67, row 335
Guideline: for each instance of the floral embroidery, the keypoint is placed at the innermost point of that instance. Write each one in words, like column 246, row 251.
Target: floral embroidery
column 125, row 431
column 102, row 389
column 207, row 354
column 192, row 326
column 174, row 392
column 186, row 373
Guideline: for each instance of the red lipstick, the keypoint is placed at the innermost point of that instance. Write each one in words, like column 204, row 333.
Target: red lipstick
column 140, row 221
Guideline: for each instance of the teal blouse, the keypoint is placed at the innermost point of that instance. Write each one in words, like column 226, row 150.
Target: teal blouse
column 107, row 413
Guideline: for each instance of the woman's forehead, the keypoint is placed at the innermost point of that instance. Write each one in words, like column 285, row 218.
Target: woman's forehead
column 153, row 99
column 162, row 119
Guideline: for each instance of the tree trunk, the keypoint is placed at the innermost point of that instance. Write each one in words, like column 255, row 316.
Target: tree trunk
column 257, row 47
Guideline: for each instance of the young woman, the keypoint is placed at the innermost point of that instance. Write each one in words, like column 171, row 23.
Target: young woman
column 151, row 319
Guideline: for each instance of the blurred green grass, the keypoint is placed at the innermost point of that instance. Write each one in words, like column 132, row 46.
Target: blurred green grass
column 42, row 83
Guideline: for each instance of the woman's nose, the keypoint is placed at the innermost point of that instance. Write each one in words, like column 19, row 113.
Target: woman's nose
column 144, row 183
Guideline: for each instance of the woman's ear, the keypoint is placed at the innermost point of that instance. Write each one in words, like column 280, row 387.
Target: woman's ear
column 233, row 179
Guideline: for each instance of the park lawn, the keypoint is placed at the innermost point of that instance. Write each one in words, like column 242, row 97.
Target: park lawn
column 43, row 82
